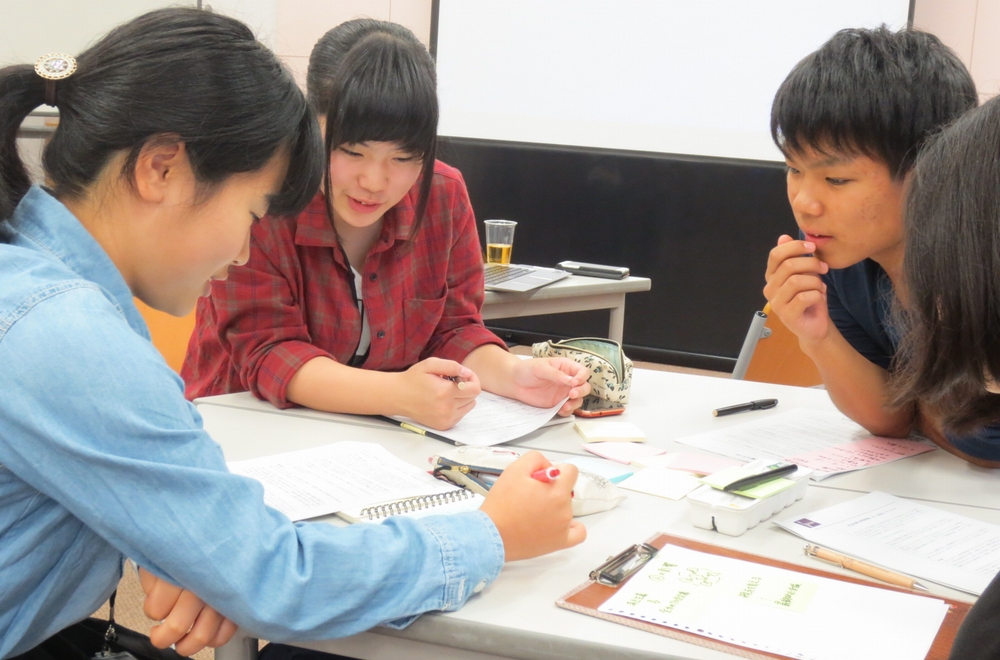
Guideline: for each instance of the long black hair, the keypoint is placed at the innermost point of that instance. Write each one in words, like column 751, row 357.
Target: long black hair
column 175, row 74
column 374, row 81
column 952, row 269
column 875, row 92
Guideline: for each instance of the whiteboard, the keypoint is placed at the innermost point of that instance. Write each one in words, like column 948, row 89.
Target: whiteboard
column 672, row 76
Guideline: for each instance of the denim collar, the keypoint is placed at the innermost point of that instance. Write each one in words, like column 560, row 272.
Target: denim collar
column 45, row 221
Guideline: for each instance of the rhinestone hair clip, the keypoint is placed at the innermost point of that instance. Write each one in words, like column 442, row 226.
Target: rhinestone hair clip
column 53, row 67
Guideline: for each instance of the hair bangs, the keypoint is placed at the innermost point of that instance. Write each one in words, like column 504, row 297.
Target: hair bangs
column 385, row 95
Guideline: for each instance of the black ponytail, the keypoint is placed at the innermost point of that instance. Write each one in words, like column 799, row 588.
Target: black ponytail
column 176, row 73
column 21, row 91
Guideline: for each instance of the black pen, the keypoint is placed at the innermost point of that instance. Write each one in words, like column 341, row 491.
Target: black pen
column 760, row 404
column 417, row 429
column 773, row 472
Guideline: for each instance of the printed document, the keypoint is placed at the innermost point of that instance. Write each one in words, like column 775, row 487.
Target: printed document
column 495, row 419
column 343, row 475
column 909, row 537
column 778, row 611
column 825, row 441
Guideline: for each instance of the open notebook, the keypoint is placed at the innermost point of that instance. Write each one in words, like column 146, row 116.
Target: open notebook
column 358, row 481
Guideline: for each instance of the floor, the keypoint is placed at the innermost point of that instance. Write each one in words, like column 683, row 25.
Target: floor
column 128, row 606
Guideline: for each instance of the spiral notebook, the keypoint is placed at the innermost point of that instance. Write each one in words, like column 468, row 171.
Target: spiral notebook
column 453, row 501
column 356, row 480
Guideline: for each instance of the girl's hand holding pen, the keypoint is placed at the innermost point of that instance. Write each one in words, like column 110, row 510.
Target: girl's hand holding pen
column 533, row 517
column 435, row 392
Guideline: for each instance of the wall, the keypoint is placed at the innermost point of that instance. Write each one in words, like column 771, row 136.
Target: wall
column 291, row 27
column 971, row 28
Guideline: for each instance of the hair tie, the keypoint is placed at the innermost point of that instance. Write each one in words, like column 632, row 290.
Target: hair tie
column 53, row 67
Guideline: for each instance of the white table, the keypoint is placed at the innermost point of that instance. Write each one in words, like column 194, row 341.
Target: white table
column 516, row 616
column 576, row 293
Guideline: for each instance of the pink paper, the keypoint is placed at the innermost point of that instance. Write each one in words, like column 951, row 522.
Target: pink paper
column 700, row 464
column 860, row 454
column 623, row 452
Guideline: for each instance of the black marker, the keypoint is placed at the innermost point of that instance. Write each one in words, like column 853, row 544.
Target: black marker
column 760, row 404
column 773, row 472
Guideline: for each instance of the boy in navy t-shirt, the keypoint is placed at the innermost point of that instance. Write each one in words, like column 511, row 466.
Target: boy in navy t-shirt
column 850, row 119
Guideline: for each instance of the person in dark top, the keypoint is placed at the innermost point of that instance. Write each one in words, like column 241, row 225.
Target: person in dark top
column 850, row 120
column 949, row 355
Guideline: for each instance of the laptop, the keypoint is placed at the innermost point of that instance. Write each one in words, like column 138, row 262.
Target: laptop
column 500, row 277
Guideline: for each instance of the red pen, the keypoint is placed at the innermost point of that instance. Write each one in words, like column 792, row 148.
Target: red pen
column 546, row 475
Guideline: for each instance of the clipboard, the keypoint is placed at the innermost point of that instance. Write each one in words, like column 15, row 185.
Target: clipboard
column 590, row 595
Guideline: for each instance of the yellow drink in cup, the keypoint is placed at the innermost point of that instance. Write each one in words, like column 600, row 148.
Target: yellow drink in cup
column 499, row 241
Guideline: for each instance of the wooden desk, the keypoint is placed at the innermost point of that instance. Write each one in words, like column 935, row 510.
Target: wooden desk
column 516, row 617
column 573, row 294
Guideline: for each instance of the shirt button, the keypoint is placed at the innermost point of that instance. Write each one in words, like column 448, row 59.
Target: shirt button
column 373, row 277
column 381, row 334
column 479, row 587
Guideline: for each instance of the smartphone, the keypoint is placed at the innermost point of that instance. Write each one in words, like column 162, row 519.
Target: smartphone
column 603, row 412
column 595, row 270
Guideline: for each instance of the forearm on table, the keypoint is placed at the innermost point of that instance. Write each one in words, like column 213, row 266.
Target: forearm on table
column 495, row 367
column 858, row 387
column 325, row 384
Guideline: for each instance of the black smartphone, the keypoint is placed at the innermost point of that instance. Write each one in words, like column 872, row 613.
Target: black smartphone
column 594, row 270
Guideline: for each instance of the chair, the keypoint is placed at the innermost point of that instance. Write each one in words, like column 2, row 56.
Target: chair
column 771, row 354
column 170, row 333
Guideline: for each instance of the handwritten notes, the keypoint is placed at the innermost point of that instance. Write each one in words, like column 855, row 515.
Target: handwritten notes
column 776, row 610
column 825, row 441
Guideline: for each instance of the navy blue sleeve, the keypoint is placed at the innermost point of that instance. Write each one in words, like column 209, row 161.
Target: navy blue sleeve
column 983, row 444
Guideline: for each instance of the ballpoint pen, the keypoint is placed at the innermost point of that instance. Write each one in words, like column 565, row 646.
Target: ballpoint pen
column 859, row 566
column 416, row 429
column 760, row 404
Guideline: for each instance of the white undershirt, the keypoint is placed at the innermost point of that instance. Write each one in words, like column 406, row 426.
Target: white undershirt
column 366, row 331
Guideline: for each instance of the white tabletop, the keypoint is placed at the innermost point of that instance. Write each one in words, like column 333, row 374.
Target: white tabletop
column 516, row 616
column 574, row 285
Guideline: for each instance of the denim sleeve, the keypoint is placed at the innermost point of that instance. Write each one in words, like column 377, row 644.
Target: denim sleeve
column 96, row 421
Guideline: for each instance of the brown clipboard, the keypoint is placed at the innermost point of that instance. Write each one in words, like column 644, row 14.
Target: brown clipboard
column 589, row 596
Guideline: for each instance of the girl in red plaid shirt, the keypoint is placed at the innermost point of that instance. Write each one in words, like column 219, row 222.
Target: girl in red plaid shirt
column 369, row 301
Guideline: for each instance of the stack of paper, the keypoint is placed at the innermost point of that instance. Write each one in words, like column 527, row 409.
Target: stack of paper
column 908, row 537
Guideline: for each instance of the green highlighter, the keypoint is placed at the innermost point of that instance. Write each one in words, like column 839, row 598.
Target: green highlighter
column 757, row 482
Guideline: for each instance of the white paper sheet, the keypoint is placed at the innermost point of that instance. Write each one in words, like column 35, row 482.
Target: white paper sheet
column 662, row 482
column 908, row 537
column 825, row 441
column 494, row 420
column 776, row 610
column 343, row 475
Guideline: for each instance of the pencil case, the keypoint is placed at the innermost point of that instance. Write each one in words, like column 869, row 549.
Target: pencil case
column 734, row 514
column 610, row 368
